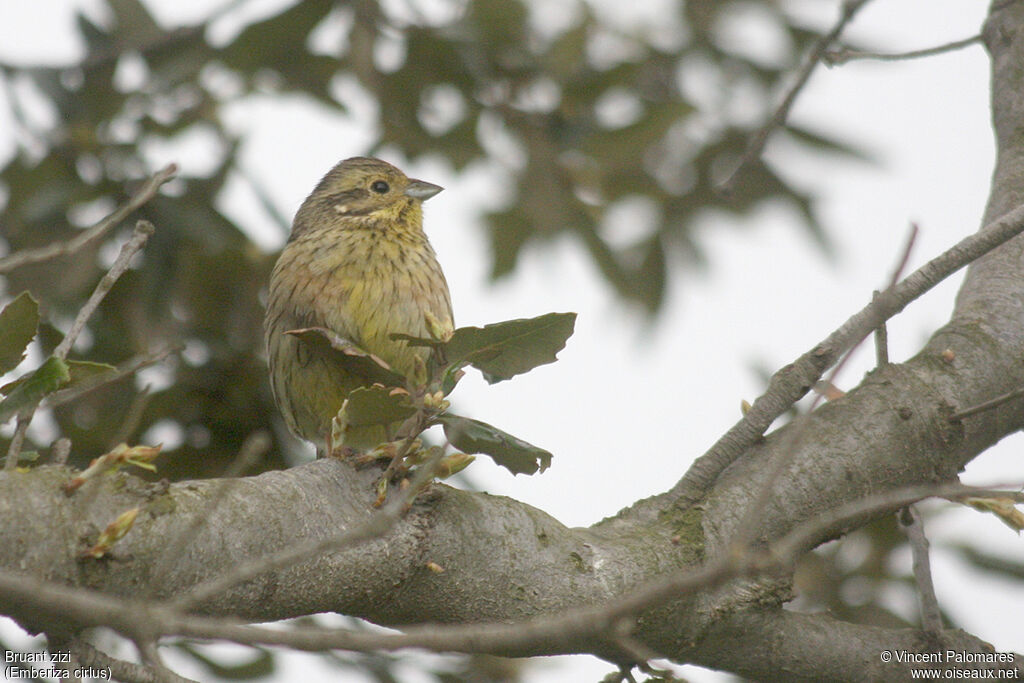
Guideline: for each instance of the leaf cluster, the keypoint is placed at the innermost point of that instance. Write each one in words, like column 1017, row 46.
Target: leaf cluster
column 19, row 321
column 499, row 351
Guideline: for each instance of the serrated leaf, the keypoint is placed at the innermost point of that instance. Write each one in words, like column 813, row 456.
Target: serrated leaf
column 44, row 380
column 18, row 323
column 361, row 363
column 504, row 350
column 512, row 453
column 377, row 405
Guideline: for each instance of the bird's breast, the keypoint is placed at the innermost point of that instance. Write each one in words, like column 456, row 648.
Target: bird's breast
column 367, row 288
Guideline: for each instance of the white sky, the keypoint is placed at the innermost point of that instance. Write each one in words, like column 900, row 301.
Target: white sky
column 631, row 403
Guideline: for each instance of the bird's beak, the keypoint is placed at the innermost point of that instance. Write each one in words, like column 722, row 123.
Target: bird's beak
column 422, row 190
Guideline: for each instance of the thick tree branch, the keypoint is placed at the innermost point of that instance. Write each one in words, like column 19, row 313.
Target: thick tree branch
column 663, row 569
column 791, row 383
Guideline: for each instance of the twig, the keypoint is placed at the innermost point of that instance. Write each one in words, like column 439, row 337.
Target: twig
column 881, row 333
column 130, row 422
column 908, row 249
column 881, row 339
column 379, row 523
column 790, row 383
column 843, row 55
column 119, row 670
column 751, row 516
column 124, row 369
column 68, row 666
column 50, row 251
column 143, row 229
column 151, row 657
column 61, row 450
column 757, row 143
column 931, row 617
column 263, row 197
column 17, row 439
column 987, row 405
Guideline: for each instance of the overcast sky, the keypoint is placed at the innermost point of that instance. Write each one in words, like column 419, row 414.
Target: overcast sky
column 631, row 402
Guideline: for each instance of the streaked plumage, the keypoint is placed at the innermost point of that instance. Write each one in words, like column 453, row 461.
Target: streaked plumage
column 358, row 263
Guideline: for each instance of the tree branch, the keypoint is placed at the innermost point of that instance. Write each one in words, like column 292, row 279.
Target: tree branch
column 51, row 251
column 791, row 383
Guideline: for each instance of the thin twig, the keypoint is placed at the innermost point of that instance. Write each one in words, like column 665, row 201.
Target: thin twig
column 751, row 517
column 789, row 384
column 130, row 422
column 141, row 233
column 908, row 249
column 17, row 440
column 881, row 333
column 150, row 654
column 843, row 55
column 881, row 339
column 50, row 251
column 124, row 369
column 118, row 669
column 987, row 405
column 913, row 525
column 61, row 450
column 56, row 646
column 757, row 143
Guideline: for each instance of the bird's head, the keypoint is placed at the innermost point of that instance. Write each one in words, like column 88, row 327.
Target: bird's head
column 365, row 192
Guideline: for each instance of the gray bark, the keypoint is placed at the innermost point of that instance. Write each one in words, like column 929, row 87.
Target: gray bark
column 505, row 561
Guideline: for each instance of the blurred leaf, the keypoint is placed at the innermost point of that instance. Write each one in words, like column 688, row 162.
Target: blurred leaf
column 134, row 22
column 260, row 665
column 509, row 231
column 279, row 43
column 514, row 454
column 1012, row 569
column 653, row 275
column 828, row 145
column 18, row 323
column 44, row 380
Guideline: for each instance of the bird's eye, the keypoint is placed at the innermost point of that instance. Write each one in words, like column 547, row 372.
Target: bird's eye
column 380, row 187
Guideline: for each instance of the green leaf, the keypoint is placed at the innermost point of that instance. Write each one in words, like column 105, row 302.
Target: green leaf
column 18, row 323
column 46, row 379
column 328, row 343
column 82, row 370
column 504, row 350
column 376, row 406
column 514, row 454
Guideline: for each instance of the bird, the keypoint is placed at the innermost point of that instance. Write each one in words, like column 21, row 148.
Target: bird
column 357, row 263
